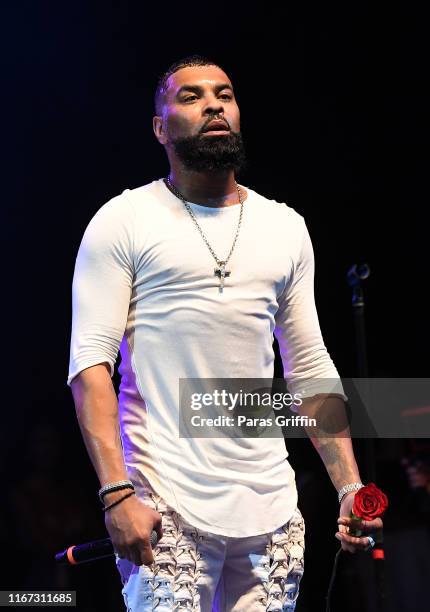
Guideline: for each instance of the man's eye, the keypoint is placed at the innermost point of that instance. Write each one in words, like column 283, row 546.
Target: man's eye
column 190, row 98
column 226, row 96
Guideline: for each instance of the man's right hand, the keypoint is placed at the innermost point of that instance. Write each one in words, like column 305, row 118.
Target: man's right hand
column 130, row 525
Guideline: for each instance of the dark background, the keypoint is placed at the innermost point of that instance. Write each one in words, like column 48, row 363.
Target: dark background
column 334, row 115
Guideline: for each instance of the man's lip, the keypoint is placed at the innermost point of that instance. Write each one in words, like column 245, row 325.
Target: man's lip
column 216, row 132
column 216, row 125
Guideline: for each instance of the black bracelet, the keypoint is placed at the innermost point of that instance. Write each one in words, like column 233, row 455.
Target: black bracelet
column 118, row 501
column 119, row 487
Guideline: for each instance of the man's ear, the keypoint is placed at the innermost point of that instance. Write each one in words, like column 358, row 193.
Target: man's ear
column 158, row 127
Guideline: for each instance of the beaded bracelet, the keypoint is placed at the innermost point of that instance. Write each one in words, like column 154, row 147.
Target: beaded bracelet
column 118, row 501
column 115, row 486
column 353, row 486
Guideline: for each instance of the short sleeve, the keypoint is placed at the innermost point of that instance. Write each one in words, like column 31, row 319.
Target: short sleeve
column 308, row 367
column 101, row 288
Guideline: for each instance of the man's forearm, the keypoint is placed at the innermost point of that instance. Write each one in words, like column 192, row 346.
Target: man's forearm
column 331, row 438
column 96, row 406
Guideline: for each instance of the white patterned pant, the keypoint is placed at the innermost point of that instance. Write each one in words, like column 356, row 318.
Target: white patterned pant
column 204, row 572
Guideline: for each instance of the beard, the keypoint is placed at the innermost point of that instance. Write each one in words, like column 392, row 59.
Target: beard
column 211, row 153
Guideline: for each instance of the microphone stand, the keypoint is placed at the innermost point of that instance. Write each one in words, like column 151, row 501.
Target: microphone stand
column 356, row 274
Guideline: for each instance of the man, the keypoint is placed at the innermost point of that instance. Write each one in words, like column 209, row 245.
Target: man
column 190, row 277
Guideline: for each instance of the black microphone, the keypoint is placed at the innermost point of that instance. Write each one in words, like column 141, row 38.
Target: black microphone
column 91, row 551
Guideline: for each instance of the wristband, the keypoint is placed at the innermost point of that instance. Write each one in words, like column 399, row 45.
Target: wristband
column 115, row 486
column 118, row 501
column 353, row 486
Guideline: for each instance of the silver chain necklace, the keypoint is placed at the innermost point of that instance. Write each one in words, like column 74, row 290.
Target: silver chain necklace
column 220, row 271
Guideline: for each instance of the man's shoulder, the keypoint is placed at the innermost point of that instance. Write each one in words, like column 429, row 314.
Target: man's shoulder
column 278, row 208
column 147, row 193
column 123, row 205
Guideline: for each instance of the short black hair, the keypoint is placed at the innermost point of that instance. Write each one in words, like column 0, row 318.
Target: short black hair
column 191, row 60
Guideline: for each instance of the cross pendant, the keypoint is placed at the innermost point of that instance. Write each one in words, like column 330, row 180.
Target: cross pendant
column 222, row 273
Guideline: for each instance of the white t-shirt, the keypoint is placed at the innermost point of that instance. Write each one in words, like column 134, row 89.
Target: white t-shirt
column 144, row 284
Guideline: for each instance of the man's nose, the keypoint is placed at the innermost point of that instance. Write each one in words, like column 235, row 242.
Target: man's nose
column 214, row 106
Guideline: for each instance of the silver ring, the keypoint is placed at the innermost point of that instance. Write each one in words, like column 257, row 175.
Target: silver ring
column 371, row 542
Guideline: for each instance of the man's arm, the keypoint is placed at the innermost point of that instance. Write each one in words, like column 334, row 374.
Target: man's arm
column 308, row 367
column 331, row 438
column 97, row 412
column 131, row 522
column 102, row 288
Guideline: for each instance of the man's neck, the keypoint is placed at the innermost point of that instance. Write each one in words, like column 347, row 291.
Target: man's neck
column 214, row 189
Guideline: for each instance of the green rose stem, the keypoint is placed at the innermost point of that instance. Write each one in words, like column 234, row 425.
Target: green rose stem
column 353, row 531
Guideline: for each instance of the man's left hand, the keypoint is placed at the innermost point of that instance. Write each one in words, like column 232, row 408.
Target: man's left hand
column 349, row 542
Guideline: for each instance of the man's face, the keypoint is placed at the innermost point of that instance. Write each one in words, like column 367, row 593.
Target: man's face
column 200, row 122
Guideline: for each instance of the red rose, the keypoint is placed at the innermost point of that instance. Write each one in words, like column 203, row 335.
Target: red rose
column 369, row 502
